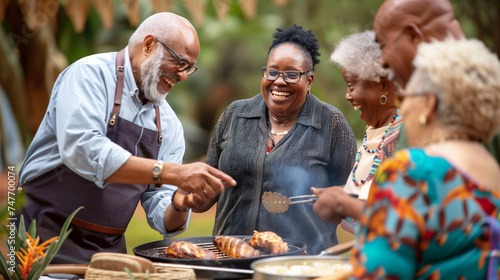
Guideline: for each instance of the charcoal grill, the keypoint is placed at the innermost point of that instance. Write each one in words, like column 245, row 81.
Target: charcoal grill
column 155, row 251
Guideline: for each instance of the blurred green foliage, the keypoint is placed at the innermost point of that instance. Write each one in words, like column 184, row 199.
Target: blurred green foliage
column 232, row 54
column 234, row 50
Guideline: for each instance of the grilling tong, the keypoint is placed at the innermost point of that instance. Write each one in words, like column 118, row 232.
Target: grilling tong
column 277, row 203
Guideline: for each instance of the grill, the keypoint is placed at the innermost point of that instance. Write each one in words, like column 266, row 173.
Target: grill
column 155, row 251
column 159, row 252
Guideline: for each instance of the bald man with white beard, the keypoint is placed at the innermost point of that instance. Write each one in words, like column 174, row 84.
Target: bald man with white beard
column 109, row 139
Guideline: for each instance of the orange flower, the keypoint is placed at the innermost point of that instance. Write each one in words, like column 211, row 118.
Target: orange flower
column 33, row 254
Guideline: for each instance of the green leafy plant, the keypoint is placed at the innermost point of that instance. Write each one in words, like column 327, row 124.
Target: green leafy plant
column 26, row 258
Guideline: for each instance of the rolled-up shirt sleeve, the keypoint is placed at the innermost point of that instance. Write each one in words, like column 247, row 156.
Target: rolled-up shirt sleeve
column 81, row 124
column 155, row 202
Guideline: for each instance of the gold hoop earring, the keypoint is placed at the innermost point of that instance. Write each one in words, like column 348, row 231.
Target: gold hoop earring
column 423, row 120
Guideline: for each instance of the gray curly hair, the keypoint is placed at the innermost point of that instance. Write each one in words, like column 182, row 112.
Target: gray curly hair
column 465, row 78
column 361, row 55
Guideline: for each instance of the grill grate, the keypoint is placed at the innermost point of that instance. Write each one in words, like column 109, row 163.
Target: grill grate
column 211, row 247
column 159, row 252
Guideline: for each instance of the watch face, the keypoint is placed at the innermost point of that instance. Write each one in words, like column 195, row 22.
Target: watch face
column 156, row 170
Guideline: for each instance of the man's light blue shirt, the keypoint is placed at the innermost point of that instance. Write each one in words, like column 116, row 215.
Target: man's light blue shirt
column 73, row 130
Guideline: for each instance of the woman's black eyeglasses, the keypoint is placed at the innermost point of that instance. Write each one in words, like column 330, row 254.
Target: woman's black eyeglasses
column 291, row 77
column 182, row 64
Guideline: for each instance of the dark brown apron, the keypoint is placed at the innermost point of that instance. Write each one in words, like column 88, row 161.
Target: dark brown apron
column 107, row 211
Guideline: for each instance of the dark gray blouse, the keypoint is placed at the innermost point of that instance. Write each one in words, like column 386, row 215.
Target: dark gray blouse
column 318, row 151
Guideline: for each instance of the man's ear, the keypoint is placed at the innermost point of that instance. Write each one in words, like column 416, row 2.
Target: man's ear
column 149, row 44
column 414, row 33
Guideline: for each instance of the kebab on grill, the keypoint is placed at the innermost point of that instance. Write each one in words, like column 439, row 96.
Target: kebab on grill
column 268, row 241
column 188, row 250
column 235, row 247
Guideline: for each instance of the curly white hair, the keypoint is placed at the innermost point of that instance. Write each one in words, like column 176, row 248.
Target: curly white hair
column 465, row 77
column 360, row 54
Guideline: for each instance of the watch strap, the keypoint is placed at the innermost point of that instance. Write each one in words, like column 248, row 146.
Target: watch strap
column 157, row 170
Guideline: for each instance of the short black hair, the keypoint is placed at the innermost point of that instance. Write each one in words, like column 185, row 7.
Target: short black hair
column 306, row 40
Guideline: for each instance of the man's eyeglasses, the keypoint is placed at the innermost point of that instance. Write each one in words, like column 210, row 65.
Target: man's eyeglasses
column 182, row 64
column 291, row 77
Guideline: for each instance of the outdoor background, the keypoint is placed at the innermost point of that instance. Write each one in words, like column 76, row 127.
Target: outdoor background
column 38, row 39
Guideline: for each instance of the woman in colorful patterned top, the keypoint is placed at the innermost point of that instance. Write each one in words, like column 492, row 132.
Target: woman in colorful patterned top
column 432, row 210
column 370, row 92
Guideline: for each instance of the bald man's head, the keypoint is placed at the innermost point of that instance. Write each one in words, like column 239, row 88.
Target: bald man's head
column 401, row 25
column 163, row 26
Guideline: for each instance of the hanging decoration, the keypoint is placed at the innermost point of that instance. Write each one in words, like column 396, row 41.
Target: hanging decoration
column 3, row 7
column 28, row 10
column 280, row 2
column 105, row 10
column 40, row 12
column 77, row 11
column 36, row 14
column 222, row 8
column 196, row 9
column 132, row 8
column 160, row 6
column 249, row 8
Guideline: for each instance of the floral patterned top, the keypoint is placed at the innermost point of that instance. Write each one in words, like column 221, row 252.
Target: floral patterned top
column 426, row 220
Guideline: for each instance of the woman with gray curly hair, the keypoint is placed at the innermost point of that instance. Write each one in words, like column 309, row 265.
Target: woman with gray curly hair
column 432, row 212
column 369, row 91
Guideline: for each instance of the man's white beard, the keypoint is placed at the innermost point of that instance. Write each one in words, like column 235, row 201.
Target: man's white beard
column 151, row 75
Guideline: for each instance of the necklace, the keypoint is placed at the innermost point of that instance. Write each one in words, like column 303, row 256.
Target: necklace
column 376, row 161
column 279, row 133
column 272, row 132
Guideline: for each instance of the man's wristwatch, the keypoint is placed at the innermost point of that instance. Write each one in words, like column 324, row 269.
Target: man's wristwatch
column 157, row 169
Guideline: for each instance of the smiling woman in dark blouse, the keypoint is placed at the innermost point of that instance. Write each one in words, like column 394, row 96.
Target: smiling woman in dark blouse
column 282, row 140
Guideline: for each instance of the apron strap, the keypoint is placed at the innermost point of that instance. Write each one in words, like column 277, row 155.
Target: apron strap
column 158, row 123
column 120, row 59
